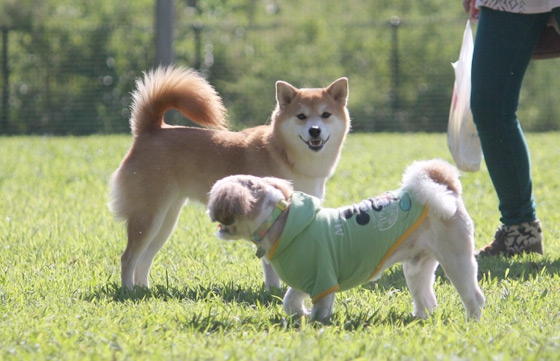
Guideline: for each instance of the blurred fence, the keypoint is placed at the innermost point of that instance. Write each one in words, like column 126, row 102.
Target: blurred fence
column 61, row 80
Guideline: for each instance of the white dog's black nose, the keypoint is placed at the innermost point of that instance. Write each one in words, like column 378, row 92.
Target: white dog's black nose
column 314, row 131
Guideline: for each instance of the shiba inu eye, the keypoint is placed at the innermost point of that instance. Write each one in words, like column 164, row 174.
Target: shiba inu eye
column 301, row 116
column 325, row 115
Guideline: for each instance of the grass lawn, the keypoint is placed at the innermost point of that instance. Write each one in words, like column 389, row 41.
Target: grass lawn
column 60, row 294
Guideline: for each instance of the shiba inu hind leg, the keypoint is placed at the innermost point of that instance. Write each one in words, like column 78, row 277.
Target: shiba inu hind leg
column 141, row 231
column 142, row 270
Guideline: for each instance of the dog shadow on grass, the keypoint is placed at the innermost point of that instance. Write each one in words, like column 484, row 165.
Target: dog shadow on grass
column 521, row 267
column 229, row 293
column 490, row 269
column 347, row 319
column 525, row 267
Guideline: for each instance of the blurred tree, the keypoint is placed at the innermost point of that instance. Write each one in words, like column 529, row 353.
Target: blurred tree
column 73, row 63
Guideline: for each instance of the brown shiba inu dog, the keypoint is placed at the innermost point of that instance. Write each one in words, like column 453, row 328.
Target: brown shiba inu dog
column 167, row 165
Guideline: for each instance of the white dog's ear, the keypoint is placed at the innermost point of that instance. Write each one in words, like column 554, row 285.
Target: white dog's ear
column 339, row 90
column 281, row 184
column 285, row 94
column 229, row 201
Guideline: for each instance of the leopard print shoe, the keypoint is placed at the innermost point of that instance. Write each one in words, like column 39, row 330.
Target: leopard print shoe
column 511, row 240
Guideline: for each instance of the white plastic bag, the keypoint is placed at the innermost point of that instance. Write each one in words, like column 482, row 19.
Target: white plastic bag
column 462, row 136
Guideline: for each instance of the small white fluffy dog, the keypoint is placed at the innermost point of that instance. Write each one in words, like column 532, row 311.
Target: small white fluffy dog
column 319, row 251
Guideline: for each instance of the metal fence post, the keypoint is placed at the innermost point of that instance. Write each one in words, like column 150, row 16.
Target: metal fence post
column 395, row 101
column 4, row 123
column 197, row 28
column 164, row 32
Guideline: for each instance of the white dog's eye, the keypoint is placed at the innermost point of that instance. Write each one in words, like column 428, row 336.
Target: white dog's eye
column 301, row 116
column 325, row 115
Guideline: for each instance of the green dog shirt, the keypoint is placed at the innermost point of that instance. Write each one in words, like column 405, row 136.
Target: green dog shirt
column 325, row 250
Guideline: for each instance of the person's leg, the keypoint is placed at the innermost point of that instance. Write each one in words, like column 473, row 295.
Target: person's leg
column 503, row 47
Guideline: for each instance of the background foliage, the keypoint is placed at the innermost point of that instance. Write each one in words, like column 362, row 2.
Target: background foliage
column 72, row 64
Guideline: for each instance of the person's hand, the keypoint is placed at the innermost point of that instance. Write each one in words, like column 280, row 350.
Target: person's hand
column 469, row 7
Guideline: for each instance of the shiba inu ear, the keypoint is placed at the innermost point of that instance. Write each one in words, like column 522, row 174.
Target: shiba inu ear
column 285, row 93
column 339, row 90
column 228, row 201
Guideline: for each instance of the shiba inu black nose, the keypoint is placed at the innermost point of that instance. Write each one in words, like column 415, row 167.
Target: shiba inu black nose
column 314, row 131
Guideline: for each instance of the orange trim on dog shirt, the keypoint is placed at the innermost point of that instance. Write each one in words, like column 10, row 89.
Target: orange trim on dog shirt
column 273, row 249
column 327, row 292
column 400, row 240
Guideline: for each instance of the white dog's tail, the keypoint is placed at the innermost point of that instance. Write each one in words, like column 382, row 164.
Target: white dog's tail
column 179, row 88
column 434, row 183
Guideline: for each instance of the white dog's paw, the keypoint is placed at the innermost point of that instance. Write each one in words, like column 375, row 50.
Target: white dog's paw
column 423, row 312
column 323, row 308
column 420, row 314
column 294, row 303
column 296, row 310
column 321, row 314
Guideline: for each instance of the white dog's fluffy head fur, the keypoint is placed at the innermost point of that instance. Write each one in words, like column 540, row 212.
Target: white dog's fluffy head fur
column 237, row 202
